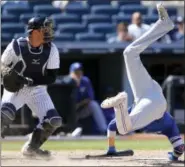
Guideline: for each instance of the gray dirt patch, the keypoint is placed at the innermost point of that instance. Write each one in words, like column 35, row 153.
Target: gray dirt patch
column 77, row 158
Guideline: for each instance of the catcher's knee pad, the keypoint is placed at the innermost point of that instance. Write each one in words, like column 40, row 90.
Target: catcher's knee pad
column 8, row 111
column 52, row 120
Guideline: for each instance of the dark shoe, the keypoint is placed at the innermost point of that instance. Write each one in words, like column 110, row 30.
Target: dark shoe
column 31, row 152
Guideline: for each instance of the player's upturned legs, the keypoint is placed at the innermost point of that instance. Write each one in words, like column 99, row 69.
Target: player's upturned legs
column 150, row 103
column 140, row 81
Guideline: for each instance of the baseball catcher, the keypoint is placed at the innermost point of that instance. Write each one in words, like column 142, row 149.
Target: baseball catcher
column 28, row 66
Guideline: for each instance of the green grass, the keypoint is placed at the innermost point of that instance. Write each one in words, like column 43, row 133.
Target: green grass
column 93, row 145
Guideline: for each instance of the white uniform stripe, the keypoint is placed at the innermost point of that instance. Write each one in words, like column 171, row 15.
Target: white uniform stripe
column 123, row 118
column 54, row 58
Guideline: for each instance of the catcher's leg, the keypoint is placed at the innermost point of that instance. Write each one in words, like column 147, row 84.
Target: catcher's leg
column 50, row 120
column 11, row 102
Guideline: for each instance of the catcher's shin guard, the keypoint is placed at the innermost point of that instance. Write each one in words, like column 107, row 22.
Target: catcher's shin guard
column 7, row 116
column 51, row 122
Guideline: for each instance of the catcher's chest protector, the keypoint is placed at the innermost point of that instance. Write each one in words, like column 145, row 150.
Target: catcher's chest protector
column 34, row 61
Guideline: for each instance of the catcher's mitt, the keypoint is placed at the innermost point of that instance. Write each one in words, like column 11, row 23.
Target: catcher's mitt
column 12, row 80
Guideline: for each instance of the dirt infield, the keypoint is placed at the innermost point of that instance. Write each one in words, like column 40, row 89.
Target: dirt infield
column 77, row 158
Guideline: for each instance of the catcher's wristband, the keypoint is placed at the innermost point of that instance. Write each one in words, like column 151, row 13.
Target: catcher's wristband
column 28, row 81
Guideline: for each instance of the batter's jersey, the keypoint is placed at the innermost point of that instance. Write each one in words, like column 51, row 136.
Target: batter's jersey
column 28, row 61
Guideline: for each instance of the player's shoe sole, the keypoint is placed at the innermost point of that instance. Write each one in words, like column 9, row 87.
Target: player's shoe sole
column 114, row 101
column 162, row 12
column 163, row 16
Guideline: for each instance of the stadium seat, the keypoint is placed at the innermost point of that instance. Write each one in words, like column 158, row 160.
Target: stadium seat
column 130, row 9
column 101, row 27
column 109, row 35
column 13, row 3
column 77, row 9
column 6, row 37
column 18, row 35
column 25, row 17
column 104, row 9
column 65, row 18
column 17, row 10
column 41, row 2
column 9, row 18
column 96, row 18
column 90, row 37
column 171, row 11
column 126, row 2
column 72, row 28
column 76, row 3
column 150, row 19
column 121, row 18
column 12, row 28
column 98, row 2
column 46, row 9
column 61, row 37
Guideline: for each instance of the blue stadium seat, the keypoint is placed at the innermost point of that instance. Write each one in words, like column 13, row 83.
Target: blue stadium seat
column 121, row 18
column 9, row 19
column 62, row 37
column 12, row 28
column 98, row 2
column 6, row 37
column 130, row 9
column 101, row 27
column 109, row 35
column 18, row 35
column 90, row 37
column 32, row 3
column 77, row 9
column 25, row 17
column 46, row 9
column 65, row 18
column 126, row 2
column 171, row 11
column 17, row 10
column 96, row 18
column 72, row 28
column 13, row 3
column 104, row 9
column 150, row 19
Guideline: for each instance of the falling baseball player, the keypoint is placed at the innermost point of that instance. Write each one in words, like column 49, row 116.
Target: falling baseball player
column 149, row 111
column 28, row 65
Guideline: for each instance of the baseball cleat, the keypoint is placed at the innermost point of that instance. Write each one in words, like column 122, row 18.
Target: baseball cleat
column 27, row 151
column 172, row 157
column 177, row 152
column 114, row 101
column 163, row 15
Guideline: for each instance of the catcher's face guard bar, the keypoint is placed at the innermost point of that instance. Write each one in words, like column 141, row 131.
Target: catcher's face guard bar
column 48, row 30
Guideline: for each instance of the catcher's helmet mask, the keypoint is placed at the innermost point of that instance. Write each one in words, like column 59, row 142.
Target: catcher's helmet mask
column 43, row 23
